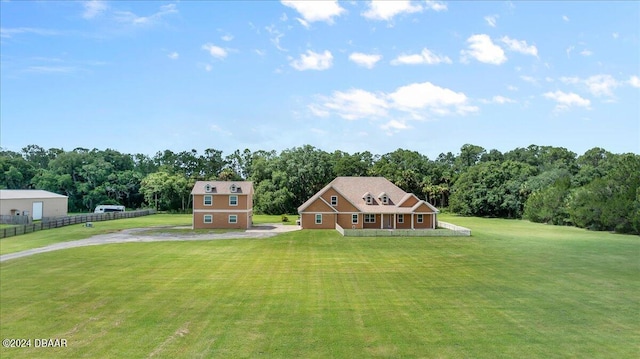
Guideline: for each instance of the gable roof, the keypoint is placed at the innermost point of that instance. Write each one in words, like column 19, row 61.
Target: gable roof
column 222, row 187
column 28, row 194
column 352, row 189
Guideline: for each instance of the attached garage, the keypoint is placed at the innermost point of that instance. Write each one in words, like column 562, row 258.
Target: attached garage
column 37, row 204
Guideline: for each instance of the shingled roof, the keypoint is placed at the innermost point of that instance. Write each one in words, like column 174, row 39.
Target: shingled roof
column 222, row 187
column 354, row 189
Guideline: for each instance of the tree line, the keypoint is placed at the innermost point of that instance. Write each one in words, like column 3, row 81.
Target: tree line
column 597, row 190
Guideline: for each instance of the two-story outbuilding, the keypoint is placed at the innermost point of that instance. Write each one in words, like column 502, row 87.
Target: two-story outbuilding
column 222, row 204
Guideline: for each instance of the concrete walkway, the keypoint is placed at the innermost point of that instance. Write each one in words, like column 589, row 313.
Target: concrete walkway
column 138, row 235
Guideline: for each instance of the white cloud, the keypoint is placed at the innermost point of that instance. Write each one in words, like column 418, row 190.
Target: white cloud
column 530, row 79
column 427, row 96
column 173, row 56
column 93, row 8
column 586, row 52
column 354, row 104
column 387, row 10
column 512, row 88
column 365, row 60
column 313, row 61
column 415, row 101
column 312, row 11
column 10, row 32
column 520, row 46
column 491, row 20
column 501, row 100
column 227, row 37
column 436, row 5
column 425, row 57
column 566, row 100
column 484, row 50
column 275, row 37
column 634, row 81
column 565, row 18
column 597, row 85
column 615, row 35
column 133, row 19
column 215, row 51
column 568, row 50
column 394, row 126
column 601, row 85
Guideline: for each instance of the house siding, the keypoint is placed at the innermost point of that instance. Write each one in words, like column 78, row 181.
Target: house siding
column 221, row 220
column 308, row 221
column 343, row 203
column 220, row 208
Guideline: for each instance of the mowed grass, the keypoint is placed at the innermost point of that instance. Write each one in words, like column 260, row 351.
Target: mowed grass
column 512, row 290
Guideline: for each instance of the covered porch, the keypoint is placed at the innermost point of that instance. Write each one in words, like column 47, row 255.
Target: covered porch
column 394, row 221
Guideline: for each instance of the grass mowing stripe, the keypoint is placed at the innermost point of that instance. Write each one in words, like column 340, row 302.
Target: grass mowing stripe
column 314, row 294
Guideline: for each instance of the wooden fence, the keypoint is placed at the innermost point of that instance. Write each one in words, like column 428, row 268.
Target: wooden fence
column 49, row 223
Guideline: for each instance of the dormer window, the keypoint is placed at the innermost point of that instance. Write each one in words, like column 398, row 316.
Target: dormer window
column 234, row 188
column 383, row 198
column 208, row 188
column 368, row 198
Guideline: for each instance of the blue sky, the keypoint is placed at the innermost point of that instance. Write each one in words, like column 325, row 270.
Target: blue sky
column 430, row 76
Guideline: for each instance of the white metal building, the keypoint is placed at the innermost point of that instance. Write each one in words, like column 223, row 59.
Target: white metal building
column 32, row 202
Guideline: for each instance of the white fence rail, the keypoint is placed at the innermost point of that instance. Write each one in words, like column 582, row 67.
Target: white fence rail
column 462, row 231
column 445, row 230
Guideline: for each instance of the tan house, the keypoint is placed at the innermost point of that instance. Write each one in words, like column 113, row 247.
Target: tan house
column 222, row 204
column 366, row 203
column 33, row 203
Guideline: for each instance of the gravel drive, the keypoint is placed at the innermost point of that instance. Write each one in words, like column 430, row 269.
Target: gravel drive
column 135, row 235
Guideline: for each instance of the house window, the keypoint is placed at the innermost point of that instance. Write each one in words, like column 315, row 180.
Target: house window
column 233, row 200
column 368, row 199
column 420, row 218
column 233, row 218
column 369, row 218
column 208, row 200
column 354, row 218
column 334, row 200
column 208, row 218
column 401, row 218
column 318, row 219
column 385, row 200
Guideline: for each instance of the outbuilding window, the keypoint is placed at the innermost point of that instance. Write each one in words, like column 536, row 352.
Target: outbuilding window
column 208, row 200
column 233, row 218
column 208, row 218
column 233, row 200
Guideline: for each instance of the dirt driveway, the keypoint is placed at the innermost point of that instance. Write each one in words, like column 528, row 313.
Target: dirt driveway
column 138, row 235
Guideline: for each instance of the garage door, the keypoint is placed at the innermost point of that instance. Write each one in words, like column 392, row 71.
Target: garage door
column 37, row 211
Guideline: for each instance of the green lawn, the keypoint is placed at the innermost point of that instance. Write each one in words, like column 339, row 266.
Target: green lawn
column 512, row 290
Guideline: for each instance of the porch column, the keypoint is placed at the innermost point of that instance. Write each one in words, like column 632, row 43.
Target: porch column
column 412, row 215
column 433, row 221
column 381, row 221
